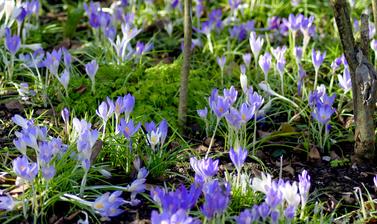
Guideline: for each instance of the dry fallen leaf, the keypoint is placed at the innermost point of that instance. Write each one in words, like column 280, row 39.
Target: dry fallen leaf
column 314, row 154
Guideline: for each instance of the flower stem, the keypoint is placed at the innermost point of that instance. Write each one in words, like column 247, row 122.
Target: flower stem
column 212, row 139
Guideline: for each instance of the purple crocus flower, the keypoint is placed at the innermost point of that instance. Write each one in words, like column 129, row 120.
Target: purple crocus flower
column 322, row 113
column 254, row 99
column 107, row 205
column 230, row 95
column 220, row 106
column 263, row 210
column 178, row 217
column 24, row 169
column 246, row 112
column 302, row 75
column 294, row 22
column 247, row 216
column 64, row 79
column 216, row 198
column 336, row 63
column 246, row 59
column 238, row 157
column 279, row 52
column 45, row 154
column 105, row 110
column 274, row 196
column 221, row 62
column 256, row 44
column 317, row 58
column 20, row 145
column 204, row 168
column 48, row 172
column 91, row 69
column 234, row 118
column 128, row 129
column 298, row 54
column 181, row 198
column 7, row 203
column 52, row 61
column 289, row 212
column 304, row 186
column 345, row 80
column 129, row 103
column 65, row 115
column 142, row 48
column 203, row 113
column 150, row 126
column 265, row 64
column 372, row 30
column 273, row 22
column 163, row 129
column 13, row 43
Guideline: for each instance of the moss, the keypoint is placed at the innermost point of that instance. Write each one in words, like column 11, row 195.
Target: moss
column 156, row 89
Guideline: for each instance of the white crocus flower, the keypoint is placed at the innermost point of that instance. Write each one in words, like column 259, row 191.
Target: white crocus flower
column 262, row 184
column 154, row 138
column 290, row 194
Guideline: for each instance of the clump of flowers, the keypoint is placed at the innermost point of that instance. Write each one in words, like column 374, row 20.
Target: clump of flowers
column 322, row 110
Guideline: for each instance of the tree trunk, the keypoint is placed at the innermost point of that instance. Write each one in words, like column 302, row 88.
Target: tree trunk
column 183, row 96
column 363, row 113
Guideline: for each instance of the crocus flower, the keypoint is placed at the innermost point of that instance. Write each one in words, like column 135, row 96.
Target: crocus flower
column 65, row 115
column 254, row 99
column 263, row 210
column 256, row 44
column 20, row 145
column 221, row 62
column 163, row 128
column 230, row 95
column 345, row 80
column 216, row 198
column 375, row 180
column 294, row 22
column 203, row 112
column 178, row 217
column 128, row 129
column 247, row 216
column 7, row 203
column 181, row 198
column 24, row 169
column 317, row 58
column 279, row 52
column 304, row 187
column 204, row 168
column 243, row 80
column 246, row 112
column 48, row 172
column 128, row 103
column 246, row 59
column 262, row 184
column 154, row 138
column 52, row 61
column 12, row 43
column 265, row 64
column 64, row 79
column 336, row 64
column 323, row 113
column 298, row 54
column 238, row 157
column 105, row 110
column 220, row 106
column 234, row 118
column 91, row 69
column 107, row 205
